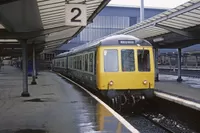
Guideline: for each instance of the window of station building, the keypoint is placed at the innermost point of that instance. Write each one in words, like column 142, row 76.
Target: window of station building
column 127, row 60
column 91, row 62
column 86, row 62
column 111, row 60
column 143, row 60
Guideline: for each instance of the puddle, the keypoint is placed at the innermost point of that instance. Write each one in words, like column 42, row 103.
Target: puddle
column 40, row 100
column 31, row 131
column 48, row 94
column 46, row 85
column 34, row 100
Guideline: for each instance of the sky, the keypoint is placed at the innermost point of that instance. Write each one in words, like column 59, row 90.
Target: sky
column 150, row 3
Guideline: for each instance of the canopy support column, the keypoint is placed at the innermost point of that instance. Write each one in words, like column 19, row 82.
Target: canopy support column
column 179, row 79
column 25, row 92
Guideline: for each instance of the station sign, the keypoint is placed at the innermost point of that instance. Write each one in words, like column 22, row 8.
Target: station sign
column 75, row 15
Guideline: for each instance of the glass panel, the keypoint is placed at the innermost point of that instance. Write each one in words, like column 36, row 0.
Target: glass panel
column 86, row 62
column 111, row 60
column 80, row 67
column 91, row 62
column 83, row 65
column 63, row 63
column 77, row 61
column 74, row 62
column 143, row 60
column 127, row 56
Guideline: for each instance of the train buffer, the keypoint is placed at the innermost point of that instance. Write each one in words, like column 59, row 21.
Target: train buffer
column 185, row 93
column 55, row 105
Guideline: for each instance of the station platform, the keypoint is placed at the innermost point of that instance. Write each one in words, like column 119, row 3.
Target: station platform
column 182, row 67
column 185, row 71
column 186, row 93
column 55, row 106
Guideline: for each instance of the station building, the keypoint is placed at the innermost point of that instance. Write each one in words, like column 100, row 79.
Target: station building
column 111, row 19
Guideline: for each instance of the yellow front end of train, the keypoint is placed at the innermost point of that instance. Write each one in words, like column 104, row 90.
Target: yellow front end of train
column 125, row 68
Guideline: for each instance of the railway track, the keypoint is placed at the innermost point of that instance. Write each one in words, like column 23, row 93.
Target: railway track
column 158, row 124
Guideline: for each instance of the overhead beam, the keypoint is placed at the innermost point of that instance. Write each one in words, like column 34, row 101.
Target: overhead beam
column 4, row 34
column 180, row 32
column 10, row 45
column 180, row 44
column 2, row 2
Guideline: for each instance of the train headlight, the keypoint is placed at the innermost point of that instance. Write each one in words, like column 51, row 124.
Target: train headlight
column 145, row 82
column 111, row 83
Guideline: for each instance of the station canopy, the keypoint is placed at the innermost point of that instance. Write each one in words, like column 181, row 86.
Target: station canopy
column 40, row 22
column 174, row 28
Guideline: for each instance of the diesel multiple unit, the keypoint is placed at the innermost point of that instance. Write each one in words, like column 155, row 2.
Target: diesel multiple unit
column 121, row 67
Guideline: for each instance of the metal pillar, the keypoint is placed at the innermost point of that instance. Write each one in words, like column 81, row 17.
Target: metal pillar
column 142, row 11
column 179, row 79
column 156, row 64
column 34, row 69
column 25, row 92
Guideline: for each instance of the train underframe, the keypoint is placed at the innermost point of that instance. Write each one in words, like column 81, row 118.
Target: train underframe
column 119, row 99
column 128, row 97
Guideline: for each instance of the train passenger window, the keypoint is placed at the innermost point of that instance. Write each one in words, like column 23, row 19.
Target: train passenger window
column 127, row 58
column 83, row 63
column 74, row 62
column 63, row 65
column 86, row 62
column 111, row 60
column 91, row 62
column 143, row 60
column 69, row 62
column 77, row 62
column 80, row 64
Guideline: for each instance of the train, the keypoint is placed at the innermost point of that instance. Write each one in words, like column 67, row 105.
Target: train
column 119, row 67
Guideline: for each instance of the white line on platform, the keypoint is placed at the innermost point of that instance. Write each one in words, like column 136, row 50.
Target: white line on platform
column 119, row 117
column 178, row 100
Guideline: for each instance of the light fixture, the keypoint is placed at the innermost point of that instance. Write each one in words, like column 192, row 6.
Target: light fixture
column 159, row 39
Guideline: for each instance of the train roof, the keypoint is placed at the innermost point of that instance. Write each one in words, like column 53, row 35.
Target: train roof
column 62, row 54
column 109, row 41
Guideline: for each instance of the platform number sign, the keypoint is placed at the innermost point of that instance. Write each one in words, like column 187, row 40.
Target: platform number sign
column 75, row 15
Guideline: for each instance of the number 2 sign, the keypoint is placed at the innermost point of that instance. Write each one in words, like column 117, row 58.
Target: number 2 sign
column 75, row 15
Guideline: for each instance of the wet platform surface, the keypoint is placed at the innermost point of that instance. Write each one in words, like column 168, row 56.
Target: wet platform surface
column 189, row 89
column 55, row 106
